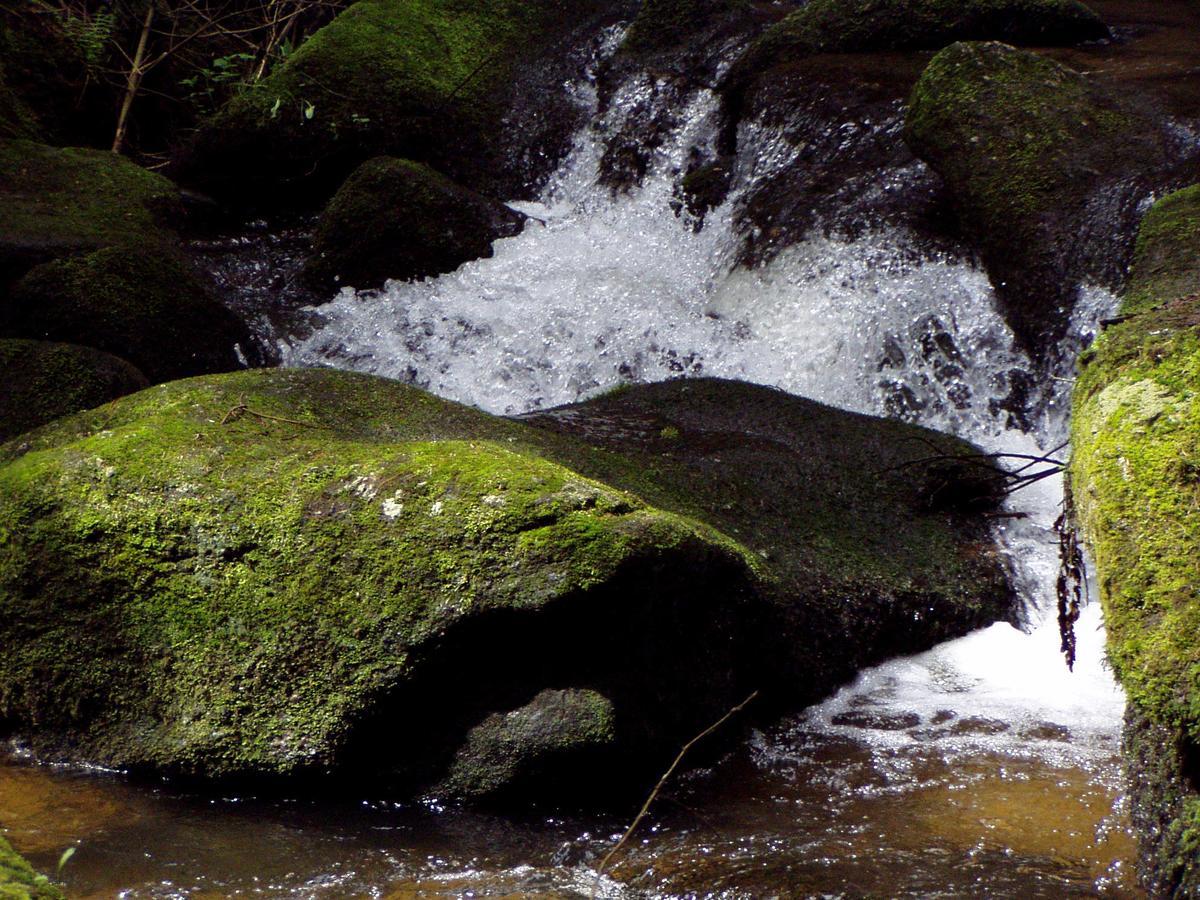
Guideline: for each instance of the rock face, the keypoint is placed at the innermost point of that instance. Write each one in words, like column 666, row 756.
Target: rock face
column 44, row 381
column 1028, row 149
column 289, row 573
column 141, row 303
column 18, row 880
column 417, row 79
column 866, row 555
column 1135, row 469
column 62, row 201
column 399, row 219
column 853, row 26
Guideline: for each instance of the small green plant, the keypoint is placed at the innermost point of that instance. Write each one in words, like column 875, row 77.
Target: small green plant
column 212, row 84
column 64, row 859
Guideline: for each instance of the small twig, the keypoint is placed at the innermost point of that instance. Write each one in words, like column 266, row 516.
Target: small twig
column 662, row 781
column 242, row 409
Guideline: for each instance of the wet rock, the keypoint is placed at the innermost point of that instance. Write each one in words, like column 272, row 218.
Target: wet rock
column 854, row 26
column 1027, row 148
column 860, row 564
column 422, row 81
column 1135, row 475
column 63, row 201
column 290, row 573
column 979, row 725
column 706, row 187
column 44, row 381
column 19, row 881
column 1046, row 731
column 399, row 219
column 554, row 742
column 878, row 721
column 143, row 304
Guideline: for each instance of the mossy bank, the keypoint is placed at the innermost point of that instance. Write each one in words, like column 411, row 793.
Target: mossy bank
column 19, row 880
column 1135, row 469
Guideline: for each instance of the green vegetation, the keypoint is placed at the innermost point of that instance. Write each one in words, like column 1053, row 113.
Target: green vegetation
column 421, row 79
column 141, row 303
column 1136, row 473
column 45, row 381
column 399, row 219
column 18, row 880
column 662, row 24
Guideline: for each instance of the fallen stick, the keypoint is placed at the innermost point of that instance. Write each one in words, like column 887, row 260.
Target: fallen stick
column 662, row 781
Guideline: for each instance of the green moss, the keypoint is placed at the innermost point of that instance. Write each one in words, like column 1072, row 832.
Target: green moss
column 661, row 24
column 16, row 119
column 1136, row 472
column 856, row 26
column 422, row 79
column 45, row 381
column 59, row 201
column 19, row 881
column 1167, row 259
column 144, row 304
column 191, row 588
column 394, row 218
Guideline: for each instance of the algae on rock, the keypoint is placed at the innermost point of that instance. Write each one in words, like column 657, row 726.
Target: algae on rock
column 1135, row 469
column 1023, row 145
column 19, row 880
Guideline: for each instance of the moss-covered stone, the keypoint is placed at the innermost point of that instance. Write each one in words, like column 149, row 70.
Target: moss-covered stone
column 854, row 26
column 420, row 79
column 1135, row 468
column 554, row 740
column 60, row 201
column 399, row 219
column 289, row 572
column 44, row 381
column 142, row 303
column 1022, row 143
column 19, row 881
column 663, row 24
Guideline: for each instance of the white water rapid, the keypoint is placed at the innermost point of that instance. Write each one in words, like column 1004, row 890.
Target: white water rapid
column 603, row 289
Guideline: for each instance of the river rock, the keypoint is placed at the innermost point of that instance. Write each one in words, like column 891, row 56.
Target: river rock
column 294, row 573
column 867, row 552
column 1135, row 472
column 854, row 26
column 1039, row 162
column 44, row 381
column 300, row 573
column 60, row 201
column 394, row 218
column 142, row 303
column 19, row 880
column 426, row 81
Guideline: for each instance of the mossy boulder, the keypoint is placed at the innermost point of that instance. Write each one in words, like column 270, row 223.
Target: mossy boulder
column 394, row 218
column 1135, row 469
column 289, row 573
column 19, row 881
column 856, row 26
column 45, row 381
column 1024, row 146
column 664, row 25
column 142, row 303
column 420, row 79
column 868, row 552
column 286, row 573
column 61, row 201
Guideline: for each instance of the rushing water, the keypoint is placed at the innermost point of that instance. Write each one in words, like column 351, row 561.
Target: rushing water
column 982, row 767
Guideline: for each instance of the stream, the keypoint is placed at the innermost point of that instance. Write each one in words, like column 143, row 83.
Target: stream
column 982, row 767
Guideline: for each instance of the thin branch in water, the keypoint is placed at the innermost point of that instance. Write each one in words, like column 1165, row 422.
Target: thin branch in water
column 662, row 781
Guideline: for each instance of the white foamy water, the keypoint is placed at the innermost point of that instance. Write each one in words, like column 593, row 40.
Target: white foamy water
column 606, row 289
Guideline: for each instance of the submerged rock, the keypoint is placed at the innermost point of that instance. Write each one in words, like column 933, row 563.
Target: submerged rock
column 19, row 881
column 59, row 201
column 394, row 218
column 1024, row 145
column 141, row 303
column 1135, row 473
column 290, row 573
column 420, row 80
column 44, row 381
